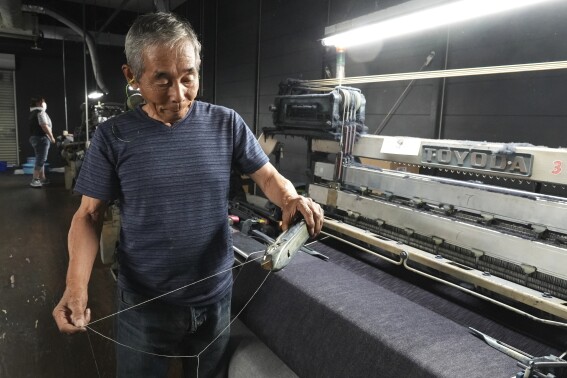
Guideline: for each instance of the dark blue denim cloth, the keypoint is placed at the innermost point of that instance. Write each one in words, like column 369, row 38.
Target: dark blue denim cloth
column 40, row 145
column 172, row 330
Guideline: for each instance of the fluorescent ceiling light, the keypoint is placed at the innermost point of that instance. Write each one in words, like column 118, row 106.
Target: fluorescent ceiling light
column 95, row 95
column 452, row 12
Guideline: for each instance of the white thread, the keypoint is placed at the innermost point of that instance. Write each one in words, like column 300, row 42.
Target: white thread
column 162, row 295
column 239, row 312
column 132, row 348
column 152, row 299
column 245, row 262
column 170, row 292
column 94, row 357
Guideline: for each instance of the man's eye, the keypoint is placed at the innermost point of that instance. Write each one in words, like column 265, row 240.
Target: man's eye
column 161, row 83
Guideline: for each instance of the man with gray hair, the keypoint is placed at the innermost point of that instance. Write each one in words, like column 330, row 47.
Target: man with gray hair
column 168, row 163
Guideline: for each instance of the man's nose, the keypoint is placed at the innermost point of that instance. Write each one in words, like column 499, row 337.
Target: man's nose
column 177, row 92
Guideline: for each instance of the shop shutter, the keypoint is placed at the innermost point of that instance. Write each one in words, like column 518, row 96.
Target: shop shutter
column 8, row 119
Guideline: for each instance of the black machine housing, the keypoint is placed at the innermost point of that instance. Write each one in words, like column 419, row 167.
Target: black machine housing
column 318, row 115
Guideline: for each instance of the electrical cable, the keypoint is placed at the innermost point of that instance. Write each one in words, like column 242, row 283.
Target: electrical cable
column 386, row 119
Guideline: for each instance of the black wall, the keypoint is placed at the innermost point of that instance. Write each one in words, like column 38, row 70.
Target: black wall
column 250, row 47
column 40, row 72
column 521, row 107
column 261, row 44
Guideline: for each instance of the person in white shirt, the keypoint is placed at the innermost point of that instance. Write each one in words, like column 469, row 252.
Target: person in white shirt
column 41, row 137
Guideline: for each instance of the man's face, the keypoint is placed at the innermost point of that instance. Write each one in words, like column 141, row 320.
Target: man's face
column 170, row 82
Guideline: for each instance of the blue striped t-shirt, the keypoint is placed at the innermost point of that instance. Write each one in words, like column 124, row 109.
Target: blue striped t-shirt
column 172, row 184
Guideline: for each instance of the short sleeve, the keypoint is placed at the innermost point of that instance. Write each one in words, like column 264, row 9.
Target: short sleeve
column 42, row 118
column 97, row 176
column 248, row 154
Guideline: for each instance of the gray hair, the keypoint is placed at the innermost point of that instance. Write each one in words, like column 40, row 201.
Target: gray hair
column 155, row 29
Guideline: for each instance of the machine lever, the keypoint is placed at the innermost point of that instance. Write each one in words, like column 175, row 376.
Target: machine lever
column 542, row 367
column 314, row 253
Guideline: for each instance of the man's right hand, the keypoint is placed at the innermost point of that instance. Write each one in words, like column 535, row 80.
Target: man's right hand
column 71, row 313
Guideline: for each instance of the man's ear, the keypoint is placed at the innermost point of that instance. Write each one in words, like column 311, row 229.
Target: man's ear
column 129, row 75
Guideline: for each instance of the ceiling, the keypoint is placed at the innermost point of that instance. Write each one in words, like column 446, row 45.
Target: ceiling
column 136, row 6
column 98, row 17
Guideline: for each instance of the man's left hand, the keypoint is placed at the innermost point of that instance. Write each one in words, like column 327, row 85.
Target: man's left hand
column 311, row 211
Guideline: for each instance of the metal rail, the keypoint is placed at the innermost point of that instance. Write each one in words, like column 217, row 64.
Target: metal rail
column 538, row 210
column 516, row 292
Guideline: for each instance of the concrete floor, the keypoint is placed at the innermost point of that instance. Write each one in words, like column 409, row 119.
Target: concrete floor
column 33, row 250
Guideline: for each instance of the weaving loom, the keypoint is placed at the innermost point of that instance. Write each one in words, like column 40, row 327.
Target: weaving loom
column 425, row 239
column 510, row 241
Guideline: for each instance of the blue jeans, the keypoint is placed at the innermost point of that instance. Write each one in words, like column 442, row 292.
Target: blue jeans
column 171, row 330
column 40, row 146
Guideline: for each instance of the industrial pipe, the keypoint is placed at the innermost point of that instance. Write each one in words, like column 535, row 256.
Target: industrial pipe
column 86, row 36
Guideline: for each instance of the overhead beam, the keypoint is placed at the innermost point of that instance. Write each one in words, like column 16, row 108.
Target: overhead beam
column 113, row 15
